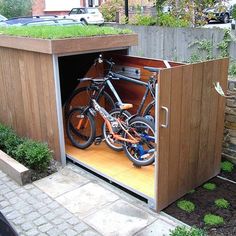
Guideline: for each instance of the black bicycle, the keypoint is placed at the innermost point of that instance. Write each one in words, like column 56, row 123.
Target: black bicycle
column 82, row 95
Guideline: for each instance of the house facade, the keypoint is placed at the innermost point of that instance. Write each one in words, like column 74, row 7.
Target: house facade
column 61, row 7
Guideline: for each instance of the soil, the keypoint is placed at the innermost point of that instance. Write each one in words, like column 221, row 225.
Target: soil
column 204, row 204
column 53, row 168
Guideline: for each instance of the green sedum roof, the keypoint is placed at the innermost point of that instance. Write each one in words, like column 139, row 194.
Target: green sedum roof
column 61, row 32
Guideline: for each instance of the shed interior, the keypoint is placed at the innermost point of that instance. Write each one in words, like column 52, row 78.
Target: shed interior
column 112, row 165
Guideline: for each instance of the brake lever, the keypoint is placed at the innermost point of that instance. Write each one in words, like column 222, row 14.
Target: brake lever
column 98, row 60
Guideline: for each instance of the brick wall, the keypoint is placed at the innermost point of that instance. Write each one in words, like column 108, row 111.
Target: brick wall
column 38, row 7
column 229, row 144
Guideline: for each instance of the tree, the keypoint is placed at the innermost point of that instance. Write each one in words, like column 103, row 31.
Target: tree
column 159, row 5
column 15, row 8
column 191, row 10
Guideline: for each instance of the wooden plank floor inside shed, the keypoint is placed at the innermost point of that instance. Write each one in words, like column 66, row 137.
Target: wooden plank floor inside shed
column 116, row 166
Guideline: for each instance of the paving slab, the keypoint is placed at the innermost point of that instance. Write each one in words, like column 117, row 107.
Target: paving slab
column 61, row 182
column 161, row 227
column 86, row 199
column 119, row 219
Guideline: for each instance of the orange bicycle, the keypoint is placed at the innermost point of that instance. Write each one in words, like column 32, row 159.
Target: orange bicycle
column 133, row 134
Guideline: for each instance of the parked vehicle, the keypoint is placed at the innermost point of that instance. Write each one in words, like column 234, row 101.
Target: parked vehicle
column 39, row 20
column 87, row 15
column 2, row 18
column 221, row 11
column 5, row 227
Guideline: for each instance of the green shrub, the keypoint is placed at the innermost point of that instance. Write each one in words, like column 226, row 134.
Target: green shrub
column 222, row 203
column 209, row 186
column 234, row 11
column 184, row 231
column 186, row 206
column 8, row 140
column 227, row 166
column 232, row 69
column 109, row 9
column 212, row 220
column 168, row 20
column 143, row 20
column 34, row 154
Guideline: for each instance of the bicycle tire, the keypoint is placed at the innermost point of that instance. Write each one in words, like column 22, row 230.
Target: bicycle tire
column 150, row 109
column 113, row 144
column 138, row 153
column 82, row 138
column 83, row 92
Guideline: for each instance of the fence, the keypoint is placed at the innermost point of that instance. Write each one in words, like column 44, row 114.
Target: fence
column 178, row 44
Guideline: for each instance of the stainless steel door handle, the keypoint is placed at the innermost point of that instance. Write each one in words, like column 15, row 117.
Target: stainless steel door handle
column 167, row 117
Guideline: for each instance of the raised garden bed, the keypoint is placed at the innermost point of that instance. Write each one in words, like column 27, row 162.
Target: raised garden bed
column 204, row 201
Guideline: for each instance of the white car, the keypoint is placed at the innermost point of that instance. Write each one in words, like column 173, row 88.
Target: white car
column 87, row 15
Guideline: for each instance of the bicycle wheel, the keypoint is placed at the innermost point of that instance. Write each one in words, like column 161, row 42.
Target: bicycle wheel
column 149, row 111
column 80, row 128
column 81, row 97
column 141, row 153
column 109, row 140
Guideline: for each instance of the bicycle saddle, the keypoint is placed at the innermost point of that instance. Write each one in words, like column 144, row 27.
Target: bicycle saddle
column 151, row 69
column 125, row 106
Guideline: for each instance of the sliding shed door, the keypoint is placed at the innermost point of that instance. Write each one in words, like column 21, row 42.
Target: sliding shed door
column 189, row 149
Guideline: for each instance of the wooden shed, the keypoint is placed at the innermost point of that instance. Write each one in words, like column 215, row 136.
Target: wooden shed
column 37, row 75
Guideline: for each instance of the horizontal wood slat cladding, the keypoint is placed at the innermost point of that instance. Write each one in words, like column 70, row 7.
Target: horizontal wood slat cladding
column 27, row 95
column 70, row 45
column 190, row 148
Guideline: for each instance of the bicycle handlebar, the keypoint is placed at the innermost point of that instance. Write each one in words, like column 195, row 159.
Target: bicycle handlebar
column 101, row 60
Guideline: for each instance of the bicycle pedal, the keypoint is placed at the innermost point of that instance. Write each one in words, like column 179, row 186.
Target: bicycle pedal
column 98, row 141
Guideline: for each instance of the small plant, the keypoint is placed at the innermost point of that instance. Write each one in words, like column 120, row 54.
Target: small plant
column 34, row 154
column 213, row 220
column 186, row 206
column 184, row 231
column 227, row 166
column 232, row 68
column 222, row 203
column 209, row 186
column 223, row 46
column 8, row 139
column 205, row 46
column 192, row 191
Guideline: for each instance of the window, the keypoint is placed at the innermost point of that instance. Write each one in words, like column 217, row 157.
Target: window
column 61, row 5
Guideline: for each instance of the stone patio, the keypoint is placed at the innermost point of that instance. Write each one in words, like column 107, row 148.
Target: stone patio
column 74, row 202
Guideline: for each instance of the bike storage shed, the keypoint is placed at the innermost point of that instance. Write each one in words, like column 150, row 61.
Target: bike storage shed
column 36, row 76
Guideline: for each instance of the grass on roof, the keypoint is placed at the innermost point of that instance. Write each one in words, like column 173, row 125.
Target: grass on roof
column 60, row 32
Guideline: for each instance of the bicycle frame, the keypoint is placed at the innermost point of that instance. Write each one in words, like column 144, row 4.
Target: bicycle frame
column 115, row 76
column 113, row 122
column 148, row 86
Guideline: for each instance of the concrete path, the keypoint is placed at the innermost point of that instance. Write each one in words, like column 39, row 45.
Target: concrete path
column 74, row 202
